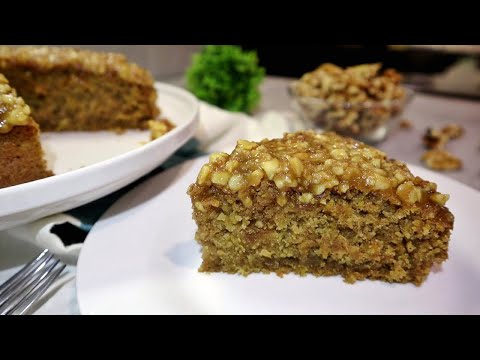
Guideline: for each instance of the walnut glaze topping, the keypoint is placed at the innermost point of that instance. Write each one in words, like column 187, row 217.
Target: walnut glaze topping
column 408, row 193
column 13, row 110
column 313, row 163
column 48, row 58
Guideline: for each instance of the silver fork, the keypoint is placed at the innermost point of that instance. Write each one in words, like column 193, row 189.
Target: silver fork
column 24, row 288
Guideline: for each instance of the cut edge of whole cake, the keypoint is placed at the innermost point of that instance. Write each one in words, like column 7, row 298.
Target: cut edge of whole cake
column 21, row 156
column 318, row 204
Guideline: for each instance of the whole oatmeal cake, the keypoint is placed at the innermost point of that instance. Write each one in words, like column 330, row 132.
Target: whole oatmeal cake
column 21, row 155
column 318, row 204
column 70, row 89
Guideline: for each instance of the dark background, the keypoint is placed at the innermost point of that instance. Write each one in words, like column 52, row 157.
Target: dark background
column 425, row 68
column 295, row 60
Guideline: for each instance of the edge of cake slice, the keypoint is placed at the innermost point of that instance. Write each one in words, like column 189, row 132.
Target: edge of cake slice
column 21, row 154
column 318, row 204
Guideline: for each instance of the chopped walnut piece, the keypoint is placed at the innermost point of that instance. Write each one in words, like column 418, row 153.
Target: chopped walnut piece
column 440, row 199
column 439, row 159
column 453, row 131
column 408, row 192
column 438, row 138
column 434, row 139
column 405, row 124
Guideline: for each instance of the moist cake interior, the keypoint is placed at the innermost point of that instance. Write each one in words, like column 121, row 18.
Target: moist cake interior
column 318, row 204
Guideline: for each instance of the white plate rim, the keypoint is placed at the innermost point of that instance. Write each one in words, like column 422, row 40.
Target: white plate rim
column 9, row 194
column 416, row 170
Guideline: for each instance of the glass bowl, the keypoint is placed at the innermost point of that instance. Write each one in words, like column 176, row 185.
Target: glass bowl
column 369, row 121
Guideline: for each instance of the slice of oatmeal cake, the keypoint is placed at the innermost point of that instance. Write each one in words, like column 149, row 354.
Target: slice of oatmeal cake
column 318, row 204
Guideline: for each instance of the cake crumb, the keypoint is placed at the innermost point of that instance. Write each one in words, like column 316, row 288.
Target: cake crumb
column 159, row 128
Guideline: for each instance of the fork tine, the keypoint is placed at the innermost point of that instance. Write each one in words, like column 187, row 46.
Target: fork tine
column 38, row 291
column 7, row 284
column 27, row 286
column 24, row 280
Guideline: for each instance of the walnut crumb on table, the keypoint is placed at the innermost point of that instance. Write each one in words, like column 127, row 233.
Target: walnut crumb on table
column 453, row 131
column 435, row 138
column 437, row 158
column 405, row 124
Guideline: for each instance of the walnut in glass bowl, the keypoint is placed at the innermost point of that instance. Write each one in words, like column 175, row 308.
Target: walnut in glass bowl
column 357, row 101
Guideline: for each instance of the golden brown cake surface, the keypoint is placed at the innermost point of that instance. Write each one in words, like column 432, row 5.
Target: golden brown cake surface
column 70, row 89
column 320, row 204
column 56, row 58
column 21, row 156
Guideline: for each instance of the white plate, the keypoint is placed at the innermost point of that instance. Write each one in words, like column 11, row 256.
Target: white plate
column 141, row 258
column 91, row 165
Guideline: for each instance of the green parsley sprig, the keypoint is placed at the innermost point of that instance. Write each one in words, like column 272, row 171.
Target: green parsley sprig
column 226, row 76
